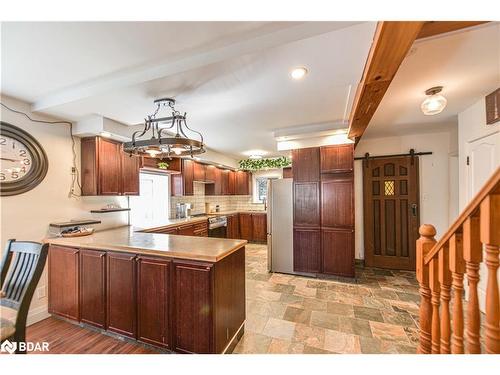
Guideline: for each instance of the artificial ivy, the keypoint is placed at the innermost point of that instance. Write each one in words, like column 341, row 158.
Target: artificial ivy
column 162, row 165
column 269, row 163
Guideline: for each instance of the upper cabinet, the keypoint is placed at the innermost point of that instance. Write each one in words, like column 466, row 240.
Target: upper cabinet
column 199, row 172
column 106, row 169
column 305, row 165
column 337, row 159
column 243, row 183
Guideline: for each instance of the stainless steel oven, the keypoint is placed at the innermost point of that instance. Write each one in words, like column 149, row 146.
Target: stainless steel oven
column 217, row 227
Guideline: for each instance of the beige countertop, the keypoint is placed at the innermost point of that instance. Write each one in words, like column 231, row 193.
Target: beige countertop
column 126, row 239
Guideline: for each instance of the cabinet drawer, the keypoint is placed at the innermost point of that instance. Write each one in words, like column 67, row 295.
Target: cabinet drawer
column 201, row 226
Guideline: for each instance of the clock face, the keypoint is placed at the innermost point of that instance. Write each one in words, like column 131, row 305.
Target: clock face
column 23, row 162
column 15, row 159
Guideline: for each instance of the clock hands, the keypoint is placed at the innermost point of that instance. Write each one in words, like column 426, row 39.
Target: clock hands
column 10, row 159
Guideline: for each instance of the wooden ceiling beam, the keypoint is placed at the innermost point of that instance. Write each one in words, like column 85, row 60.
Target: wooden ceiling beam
column 391, row 43
column 432, row 28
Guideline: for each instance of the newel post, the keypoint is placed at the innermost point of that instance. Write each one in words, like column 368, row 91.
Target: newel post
column 424, row 244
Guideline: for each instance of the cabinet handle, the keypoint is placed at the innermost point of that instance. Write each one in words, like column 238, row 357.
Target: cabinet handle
column 414, row 209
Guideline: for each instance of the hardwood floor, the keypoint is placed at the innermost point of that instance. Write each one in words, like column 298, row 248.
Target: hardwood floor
column 67, row 338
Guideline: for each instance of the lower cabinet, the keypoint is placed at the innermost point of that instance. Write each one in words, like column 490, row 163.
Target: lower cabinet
column 259, row 227
column 307, row 250
column 64, row 282
column 181, row 305
column 246, row 229
column 193, row 307
column 233, row 227
column 153, row 301
column 338, row 251
column 186, row 230
column 121, row 293
column 93, row 287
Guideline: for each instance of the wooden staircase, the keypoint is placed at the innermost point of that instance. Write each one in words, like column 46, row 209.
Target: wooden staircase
column 441, row 267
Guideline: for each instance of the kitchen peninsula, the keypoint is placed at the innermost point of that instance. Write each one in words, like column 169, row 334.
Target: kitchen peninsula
column 181, row 293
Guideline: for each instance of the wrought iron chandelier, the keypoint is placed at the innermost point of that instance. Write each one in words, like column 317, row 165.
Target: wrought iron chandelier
column 161, row 145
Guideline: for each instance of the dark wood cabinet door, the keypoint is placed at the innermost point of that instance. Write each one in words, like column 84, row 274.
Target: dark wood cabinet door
column 177, row 185
column 243, row 183
column 287, row 172
column 233, row 227
column 337, row 203
column 193, row 310
column 186, row 230
column 210, row 171
column 64, row 282
column 232, row 183
column 305, row 166
column 153, row 301
column 121, row 297
column 218, row 182
column 259, row 227
column 337, row 159
column 224, row 182
column 188, row 176
column 307, row 250
column 130, row 174
column 306, row 207
column 246, row 227
column 338, row 252
column 93, row 287
column 199, row 172
column 109, row 158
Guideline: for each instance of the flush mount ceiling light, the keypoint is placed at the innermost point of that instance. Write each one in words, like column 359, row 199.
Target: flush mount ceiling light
column 435, row 102
column 298, row 73
column 160, row 144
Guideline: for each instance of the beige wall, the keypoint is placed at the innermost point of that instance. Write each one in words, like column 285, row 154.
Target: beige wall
column 26, row 216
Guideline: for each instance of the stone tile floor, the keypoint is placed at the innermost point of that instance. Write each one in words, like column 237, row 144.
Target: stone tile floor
column 375, row 313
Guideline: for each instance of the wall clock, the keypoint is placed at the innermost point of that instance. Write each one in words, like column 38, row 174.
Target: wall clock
column 23, row 162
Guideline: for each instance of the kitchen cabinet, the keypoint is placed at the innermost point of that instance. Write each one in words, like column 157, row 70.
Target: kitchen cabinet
column 199, row 172
column 307, row 250
column 201, row 229
column 93, row 287
column 224, row 177
column 64, row 282
column 337, row 159
column 231, row 183
column 287, row 172
column 186, row 230
column 193, row 307
column 243, row 183
column 305, row 165
column 323, row 196
column 174, row 165
column 121, row 294
column 233, row 226
column 338, row 251
column 106, row 169
column 259, row 227
column 214, row 174
column 246, row 228
column 153, row 301
column 188, row 306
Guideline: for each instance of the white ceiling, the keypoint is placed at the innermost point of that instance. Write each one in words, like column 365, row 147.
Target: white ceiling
column 231, row 78
column 465, row 63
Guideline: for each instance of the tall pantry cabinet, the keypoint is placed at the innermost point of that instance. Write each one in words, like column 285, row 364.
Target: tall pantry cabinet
column 323, row 220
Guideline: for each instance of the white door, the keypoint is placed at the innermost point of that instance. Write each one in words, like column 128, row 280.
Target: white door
column 484, row 159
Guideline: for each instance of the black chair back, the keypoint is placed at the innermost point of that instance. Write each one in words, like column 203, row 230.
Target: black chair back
column 21, row 269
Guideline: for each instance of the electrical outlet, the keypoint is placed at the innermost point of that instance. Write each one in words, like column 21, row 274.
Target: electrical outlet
column 73, row 170
column 41, row 293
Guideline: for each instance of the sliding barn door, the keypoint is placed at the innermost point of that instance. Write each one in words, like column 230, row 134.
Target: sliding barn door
column 391, row 212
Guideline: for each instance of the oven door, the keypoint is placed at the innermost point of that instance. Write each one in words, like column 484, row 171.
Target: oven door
column 218, row 232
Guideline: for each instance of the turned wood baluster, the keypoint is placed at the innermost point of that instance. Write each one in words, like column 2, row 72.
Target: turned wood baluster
column 473, row 255
column 435, row 301
column 490, row 237
column 445, row 286
column 424, row 244
column 457, row 267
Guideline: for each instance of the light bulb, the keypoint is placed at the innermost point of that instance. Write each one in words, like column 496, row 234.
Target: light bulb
column 177, row 150
column 153, row 153
column 298, row 73
column 434, row 103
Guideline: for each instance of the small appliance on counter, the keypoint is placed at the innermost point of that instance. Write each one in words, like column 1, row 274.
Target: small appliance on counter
column 72, row 228
column 183, row 210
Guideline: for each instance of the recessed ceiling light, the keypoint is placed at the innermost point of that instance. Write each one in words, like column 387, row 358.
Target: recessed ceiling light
column 435, row 102
column 298, row 73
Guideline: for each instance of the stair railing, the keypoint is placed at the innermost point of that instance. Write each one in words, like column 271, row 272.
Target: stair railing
column 441, row 267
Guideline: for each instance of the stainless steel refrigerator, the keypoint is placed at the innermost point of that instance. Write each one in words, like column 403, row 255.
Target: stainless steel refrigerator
column 280, row 225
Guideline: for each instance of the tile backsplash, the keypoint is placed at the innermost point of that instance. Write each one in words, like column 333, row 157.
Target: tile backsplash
column 225, row 202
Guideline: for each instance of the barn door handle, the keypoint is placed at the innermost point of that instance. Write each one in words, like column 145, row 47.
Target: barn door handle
column 414, row 209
